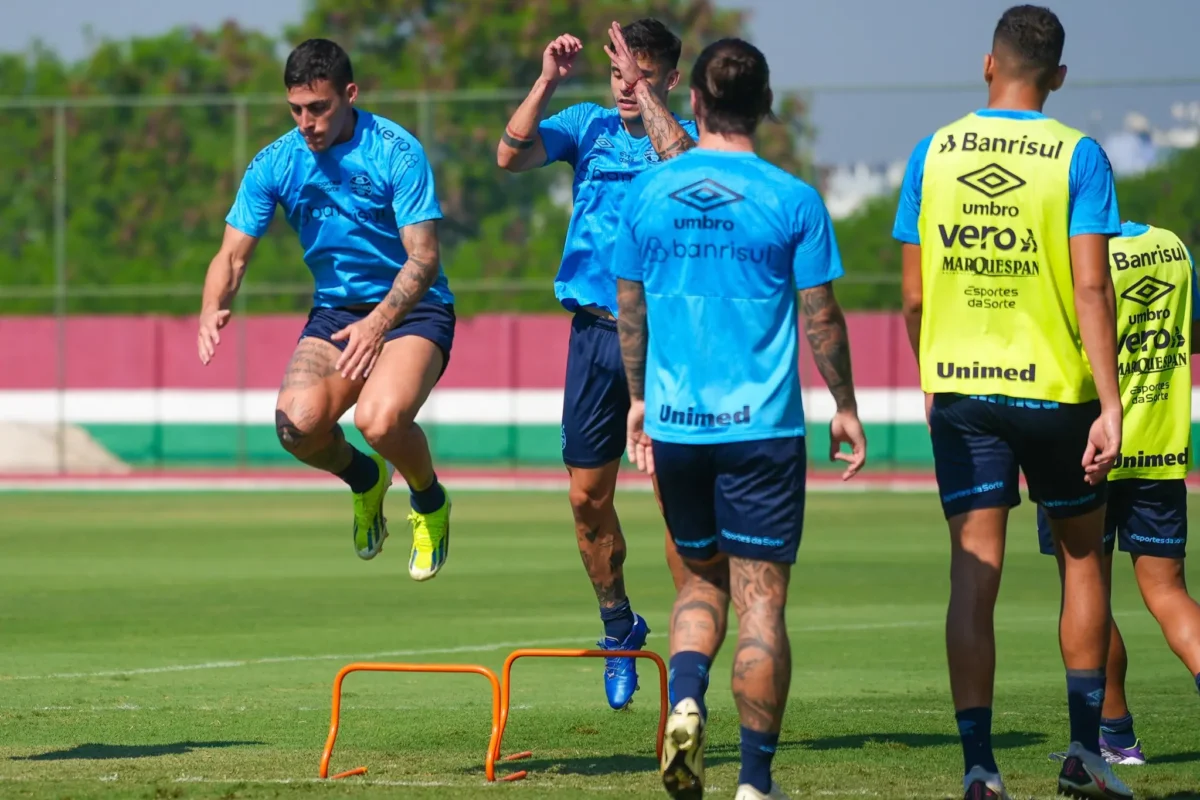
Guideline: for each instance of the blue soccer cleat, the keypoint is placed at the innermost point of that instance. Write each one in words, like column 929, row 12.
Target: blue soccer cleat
column 620, row 674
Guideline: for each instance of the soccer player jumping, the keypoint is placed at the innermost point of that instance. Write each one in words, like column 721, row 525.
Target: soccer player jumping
column 359, row 191
column 713, row 249
column 1005, row 217
column 1158, row 303
column 606, row 148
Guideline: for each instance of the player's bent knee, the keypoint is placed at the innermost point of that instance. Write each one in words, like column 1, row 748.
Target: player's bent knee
column 590, row 498
column 377, row 422
column 299, row 431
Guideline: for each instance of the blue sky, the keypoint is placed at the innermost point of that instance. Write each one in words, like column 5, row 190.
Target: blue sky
column 809, row 43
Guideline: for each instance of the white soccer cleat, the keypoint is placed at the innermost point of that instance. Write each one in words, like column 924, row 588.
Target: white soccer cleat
column 683, row 752
column 979, row 784
column 748, row 792
column 1087, row 776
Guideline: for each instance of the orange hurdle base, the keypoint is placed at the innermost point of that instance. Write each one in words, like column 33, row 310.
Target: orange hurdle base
column 335, row 717
column 506, row 693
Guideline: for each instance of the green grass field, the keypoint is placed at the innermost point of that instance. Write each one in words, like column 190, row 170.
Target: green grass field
column 183, row 646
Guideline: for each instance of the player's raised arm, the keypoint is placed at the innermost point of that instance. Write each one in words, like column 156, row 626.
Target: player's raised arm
column 666, row 134
column 521, row 147
column 221, row 284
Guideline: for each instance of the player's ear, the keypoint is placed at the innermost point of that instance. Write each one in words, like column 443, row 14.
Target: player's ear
column 351, row 92
column 672, row 79
column 989, row 68
column 1060, row 75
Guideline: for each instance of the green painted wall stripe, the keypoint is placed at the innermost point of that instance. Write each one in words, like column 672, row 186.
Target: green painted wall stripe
column 527, row 445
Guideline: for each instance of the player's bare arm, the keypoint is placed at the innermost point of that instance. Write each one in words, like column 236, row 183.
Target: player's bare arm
column 1096, row 310
column 825, row 329
column 911, row 297
column 634, row 333
column 521, row 146
column 667, row 136
column 420, row 271
column 221, row 284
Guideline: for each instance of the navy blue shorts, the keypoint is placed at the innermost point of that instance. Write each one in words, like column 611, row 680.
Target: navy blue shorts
column 595, row 394
column 428, row 319
column 1147, row 518
column 744, row 499
column 981, row 445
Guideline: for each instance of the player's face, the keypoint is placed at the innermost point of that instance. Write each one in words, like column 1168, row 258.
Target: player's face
column 321, row 112
column 661, row 81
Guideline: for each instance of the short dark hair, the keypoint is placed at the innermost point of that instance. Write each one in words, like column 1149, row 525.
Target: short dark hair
column 734, row 84
column 653, row 40
column 318, row 60
column 1034, row 37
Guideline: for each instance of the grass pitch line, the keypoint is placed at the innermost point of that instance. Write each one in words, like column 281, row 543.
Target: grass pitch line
column 471, row 648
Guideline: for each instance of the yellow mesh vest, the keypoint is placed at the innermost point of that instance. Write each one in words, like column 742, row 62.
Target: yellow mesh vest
column 999, row 308
column 1153, row 279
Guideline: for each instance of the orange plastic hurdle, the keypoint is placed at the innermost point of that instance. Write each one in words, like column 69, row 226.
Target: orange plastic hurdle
column 493, row 742
column 506, row 693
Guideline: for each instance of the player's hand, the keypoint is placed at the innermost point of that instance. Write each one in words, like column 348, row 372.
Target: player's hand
column 641, row 451
column 622, row 57
column 1104, row 443
column 559, row 57
column 364, row 343
column 929, row 411
column 209, row 336
column 846, row 429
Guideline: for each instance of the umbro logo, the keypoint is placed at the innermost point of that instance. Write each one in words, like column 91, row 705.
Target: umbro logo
column 705, row 196
column 992, row 181
column 1147, row 291
column 604, row 143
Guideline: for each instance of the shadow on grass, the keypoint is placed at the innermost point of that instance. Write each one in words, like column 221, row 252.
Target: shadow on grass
column 101, row 752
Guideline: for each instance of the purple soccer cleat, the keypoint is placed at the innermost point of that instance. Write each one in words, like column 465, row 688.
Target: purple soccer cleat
column 1123, row 756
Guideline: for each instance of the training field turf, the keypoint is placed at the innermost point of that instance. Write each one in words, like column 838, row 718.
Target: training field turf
column 183, row 646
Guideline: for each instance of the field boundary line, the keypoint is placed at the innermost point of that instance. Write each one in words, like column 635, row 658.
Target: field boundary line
column 472, row 648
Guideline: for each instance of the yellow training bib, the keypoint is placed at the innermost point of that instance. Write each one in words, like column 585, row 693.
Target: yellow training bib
column 999, row 309
column 1152, row 275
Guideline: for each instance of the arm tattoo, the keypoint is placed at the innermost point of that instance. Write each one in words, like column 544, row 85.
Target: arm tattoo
column 633, row 333
column 666, row 134
column 418, row 273
column 825, row 327
column 516, row 142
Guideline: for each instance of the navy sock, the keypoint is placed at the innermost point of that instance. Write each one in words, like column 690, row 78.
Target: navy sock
column 975, row 730
column 362, row 474
column 618, row 620
column 1198, row 683
column 1119, row 732
column 428, row 500
column 1085, row 698
column 757, row 751
column 689, row 678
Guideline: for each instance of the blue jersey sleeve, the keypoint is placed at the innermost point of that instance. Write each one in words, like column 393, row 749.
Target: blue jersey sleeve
column 254, row 206
column 562, row 132
column 1195, row 289
column 816, row 259
column 908, row 212
column 414, row 198
column 1093, row 192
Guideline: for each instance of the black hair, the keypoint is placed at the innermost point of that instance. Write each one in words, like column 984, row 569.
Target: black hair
column 318, row 60
column 653, row 40
column 733, row 82
column 1034, row 37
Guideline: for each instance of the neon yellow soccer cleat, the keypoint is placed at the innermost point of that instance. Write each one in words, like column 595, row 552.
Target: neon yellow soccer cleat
column 431, row 542
column 370, row 525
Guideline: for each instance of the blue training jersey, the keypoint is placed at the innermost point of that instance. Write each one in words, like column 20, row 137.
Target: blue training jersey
column 721, row 242
column 606, row 159
column 1093, row 201
column 348, row 205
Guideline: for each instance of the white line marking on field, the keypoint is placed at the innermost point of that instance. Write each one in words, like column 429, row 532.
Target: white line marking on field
column 472, row 648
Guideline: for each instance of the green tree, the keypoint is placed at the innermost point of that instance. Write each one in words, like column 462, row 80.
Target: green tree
column 149, row 186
